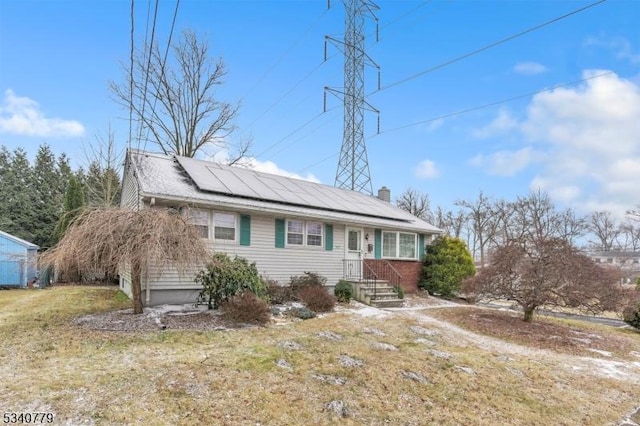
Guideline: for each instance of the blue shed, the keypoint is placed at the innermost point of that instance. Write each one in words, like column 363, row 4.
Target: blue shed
column 18, row 261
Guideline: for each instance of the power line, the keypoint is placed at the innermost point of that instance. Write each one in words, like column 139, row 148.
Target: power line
column 489, row 46
column 404, row 15
column 287, row 93
column 301, row 138
column 131, row 75
column 146, row 80
column 285, row 53
column 162, row 69
column 293, row 132
column 464, row 111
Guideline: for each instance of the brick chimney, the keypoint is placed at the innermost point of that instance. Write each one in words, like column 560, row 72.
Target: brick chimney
column 384, row 194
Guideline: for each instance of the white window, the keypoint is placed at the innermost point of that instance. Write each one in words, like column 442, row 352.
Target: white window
column 407, row 247
column 301, row 233
column 389, row 244
column 399, row 245
column 295, row 232
column 314, row 234
column 224, row 226
column 199, row 219
column 354, row 240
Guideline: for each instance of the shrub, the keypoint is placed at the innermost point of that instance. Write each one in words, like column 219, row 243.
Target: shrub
column 302, row 313
column 225, row 277
column 317, row 299
column 246, row 308
column 631, row 314
column 446, row 264
column 309, row 279
column 398, row 289
column 343, row 291
column 278, row 294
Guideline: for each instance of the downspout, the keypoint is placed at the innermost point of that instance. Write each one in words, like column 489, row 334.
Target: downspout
column 147, row 288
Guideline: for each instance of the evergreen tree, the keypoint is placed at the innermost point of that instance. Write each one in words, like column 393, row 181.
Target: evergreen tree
column 102, row 186
column 73, row 203
column 446, row 263
column 18, row 196
column 47, row 202
column 5, row 164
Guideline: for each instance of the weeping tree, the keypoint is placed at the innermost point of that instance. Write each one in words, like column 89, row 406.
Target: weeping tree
column 546, row 272
column 112, row 239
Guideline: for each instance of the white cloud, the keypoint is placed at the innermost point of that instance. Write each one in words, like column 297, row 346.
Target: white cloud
column 621, row 47
column 503, row 123
column 590, row 136
column 506, row 163
column 22, row 116
column 529, row 68
column 426, row 169
column 271, row 167
column 434, row 124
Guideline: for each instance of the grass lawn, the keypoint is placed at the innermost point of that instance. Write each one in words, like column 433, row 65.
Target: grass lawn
column 410, row 367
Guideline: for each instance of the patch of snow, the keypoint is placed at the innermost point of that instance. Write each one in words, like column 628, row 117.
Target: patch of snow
column 467, row 370
column 384, row 346
column 334, row 380
column 329, row 335
column 283, row 364
column 440, row 354
column 604, row 353
column 338, row 407
column 370, row 311
column 374, row 331
column 416, row 377
column 424, row 341
column 347, row 361
column 423, row 331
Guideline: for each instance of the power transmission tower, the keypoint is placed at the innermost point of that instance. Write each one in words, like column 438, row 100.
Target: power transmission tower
column 353, row 165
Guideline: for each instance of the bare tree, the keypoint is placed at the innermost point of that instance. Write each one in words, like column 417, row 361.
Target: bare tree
column 114, row 238
column 416, row 203
column 535, row 217
column 452, row 223
column 178, row 104
column 629, row 235
column 604, row 227
column 546, row 272
column 482, row 221
column 104, row 166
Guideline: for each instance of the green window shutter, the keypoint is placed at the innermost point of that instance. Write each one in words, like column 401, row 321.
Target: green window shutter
column 245, row 230
column 378, row 248
column 420, row 246
column 328, row 237
column 279, row 233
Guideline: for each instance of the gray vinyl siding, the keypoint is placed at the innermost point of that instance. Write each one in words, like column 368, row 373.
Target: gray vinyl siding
column 275, row 263
column 130, row 192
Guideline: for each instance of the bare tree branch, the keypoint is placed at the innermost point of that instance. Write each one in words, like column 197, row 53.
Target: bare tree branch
column 180, row 109
column 114, row 238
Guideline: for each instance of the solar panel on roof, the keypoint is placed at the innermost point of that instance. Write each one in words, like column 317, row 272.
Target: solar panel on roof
column 240, row 182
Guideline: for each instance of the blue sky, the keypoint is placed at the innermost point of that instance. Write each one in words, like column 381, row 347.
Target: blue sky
column 579, row 142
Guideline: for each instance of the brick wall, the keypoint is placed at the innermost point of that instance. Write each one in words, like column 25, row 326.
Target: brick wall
column 410, row 271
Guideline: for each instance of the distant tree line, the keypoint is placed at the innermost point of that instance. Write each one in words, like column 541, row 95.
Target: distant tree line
column 39, row 199
column 486, row 223
column 528, row 252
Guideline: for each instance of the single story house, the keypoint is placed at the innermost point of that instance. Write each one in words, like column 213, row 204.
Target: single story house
column 18, row 260
column 286, row 226
column 626, row 261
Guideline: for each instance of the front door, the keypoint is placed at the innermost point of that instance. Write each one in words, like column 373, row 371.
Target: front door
column 353, row 253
